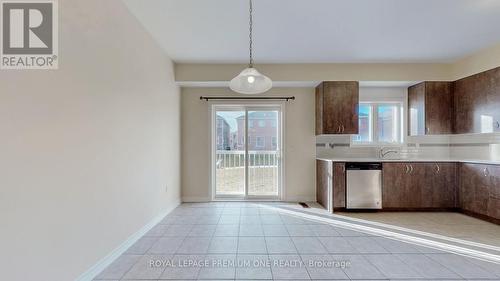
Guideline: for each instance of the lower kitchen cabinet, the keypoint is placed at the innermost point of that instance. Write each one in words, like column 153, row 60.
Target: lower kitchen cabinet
column 441, row 178
column 324, row 183
column 338, row 185
column 473, row 188
column 479, row 189
column 330, row 184
column 419, row 185
column 395, row 185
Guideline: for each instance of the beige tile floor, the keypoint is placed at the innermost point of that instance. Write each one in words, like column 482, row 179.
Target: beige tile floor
column 283, row 241
column 444, row 223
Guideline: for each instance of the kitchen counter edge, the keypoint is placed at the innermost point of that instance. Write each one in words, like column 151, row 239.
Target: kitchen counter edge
column 488, row 162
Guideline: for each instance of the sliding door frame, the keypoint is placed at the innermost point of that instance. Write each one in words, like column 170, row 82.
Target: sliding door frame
column 246, row 107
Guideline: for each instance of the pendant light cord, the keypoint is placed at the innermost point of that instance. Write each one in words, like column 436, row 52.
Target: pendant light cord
column 250, row 34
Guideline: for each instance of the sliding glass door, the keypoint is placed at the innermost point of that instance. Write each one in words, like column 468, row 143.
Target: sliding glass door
column 246, row 152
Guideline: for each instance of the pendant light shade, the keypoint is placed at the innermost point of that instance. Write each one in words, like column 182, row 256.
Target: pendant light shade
column 250, row 81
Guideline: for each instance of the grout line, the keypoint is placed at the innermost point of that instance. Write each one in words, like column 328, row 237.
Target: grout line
column 400, row 237
column 280, row 214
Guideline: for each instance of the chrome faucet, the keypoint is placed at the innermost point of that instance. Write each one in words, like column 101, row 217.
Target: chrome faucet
column 382, row 154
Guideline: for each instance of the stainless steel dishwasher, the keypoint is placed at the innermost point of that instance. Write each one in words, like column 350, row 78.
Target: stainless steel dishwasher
column 364, row 185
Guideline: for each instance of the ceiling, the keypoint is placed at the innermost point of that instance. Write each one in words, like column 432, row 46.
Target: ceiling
column 321, row 31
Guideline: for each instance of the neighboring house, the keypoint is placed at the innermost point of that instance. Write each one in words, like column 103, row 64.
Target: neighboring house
column 364, row 126
column 262, row 131
column 223, row 134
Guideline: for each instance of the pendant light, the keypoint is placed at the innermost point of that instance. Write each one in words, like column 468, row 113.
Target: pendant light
column 250, row 81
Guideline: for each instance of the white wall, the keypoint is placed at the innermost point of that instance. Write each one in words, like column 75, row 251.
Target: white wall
column 87, row 151
column 299, row 147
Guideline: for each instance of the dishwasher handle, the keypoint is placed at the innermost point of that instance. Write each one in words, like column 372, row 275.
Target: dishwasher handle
column 363, row 166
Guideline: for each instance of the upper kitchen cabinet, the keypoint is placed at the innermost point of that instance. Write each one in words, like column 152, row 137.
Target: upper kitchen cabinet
column 430, row 108
column 476, row 101
column 337, row 107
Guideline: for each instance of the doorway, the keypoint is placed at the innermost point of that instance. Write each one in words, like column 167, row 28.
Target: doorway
column 247, row 152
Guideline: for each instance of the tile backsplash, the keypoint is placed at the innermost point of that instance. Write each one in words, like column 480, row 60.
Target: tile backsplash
column 470, row 146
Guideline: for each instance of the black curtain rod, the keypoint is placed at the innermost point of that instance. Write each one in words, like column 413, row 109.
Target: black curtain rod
column 247, row 98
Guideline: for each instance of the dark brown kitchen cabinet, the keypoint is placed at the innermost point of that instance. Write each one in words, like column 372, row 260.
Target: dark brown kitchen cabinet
column 467, row 105
column 418, row 185
column 395, row 185
column 330, row 184
column 494, row 200
column 476, row 103
column 402, row 185
column 324, row 183
column 430, row 108
column 479, row 189
column 338, row 185
column 440, row 186
column 337, row 107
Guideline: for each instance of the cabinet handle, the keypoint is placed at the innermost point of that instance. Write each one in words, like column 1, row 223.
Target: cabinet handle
column 343, row 128
column 338, row 129
column 411, row 169
column 497, row 124
column 407, row 170
column 438, row 169
column 427, row 130
column 486, row 172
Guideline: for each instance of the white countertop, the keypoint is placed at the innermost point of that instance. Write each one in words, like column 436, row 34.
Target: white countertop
column 492, row 162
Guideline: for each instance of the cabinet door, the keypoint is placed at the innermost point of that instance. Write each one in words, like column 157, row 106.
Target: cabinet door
column 338, row 103
column 474, row 188
column 339, row 185
column 465, row 187
column 471, row 106
column 438, row 108
column 440, row 186
column 415, row 196
column 333, row 92
column 348, row 104
column 319, row 109
column 494, row 200
column 323, row 183
column 416, row 110
column 395, row 185
column 493, row 96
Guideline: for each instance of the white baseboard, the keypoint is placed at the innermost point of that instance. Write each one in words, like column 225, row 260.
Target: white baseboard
column 192, row 199
column 93, row 271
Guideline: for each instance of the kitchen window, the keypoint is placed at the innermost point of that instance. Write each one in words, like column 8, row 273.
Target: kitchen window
column 379, row 123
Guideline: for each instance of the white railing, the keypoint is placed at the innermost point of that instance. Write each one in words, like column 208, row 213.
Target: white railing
column 236, row 159
column 263, row 172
